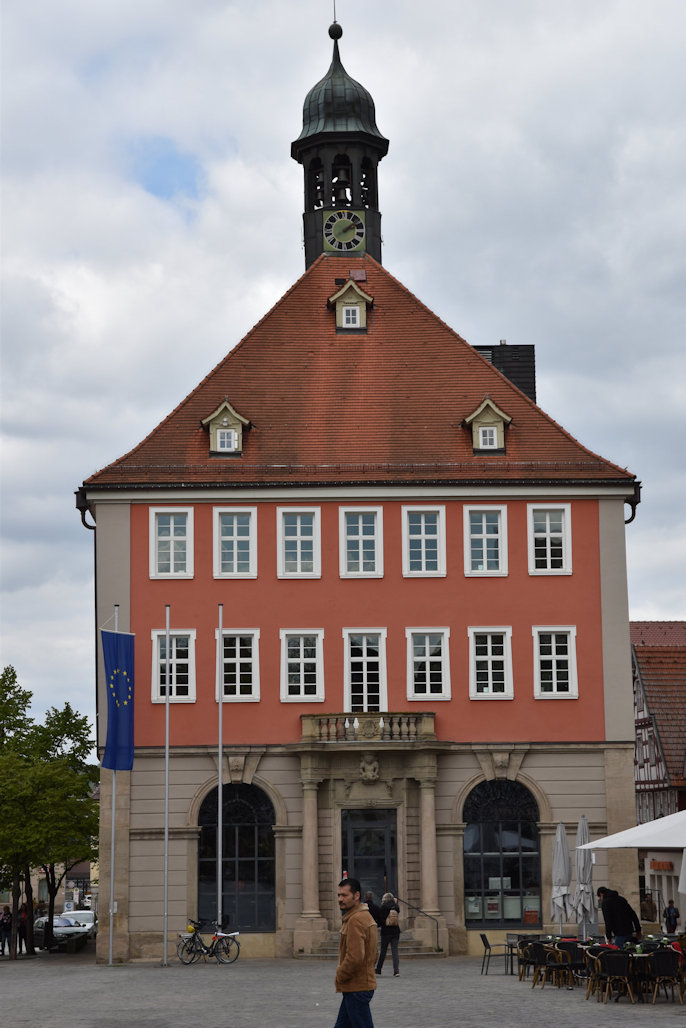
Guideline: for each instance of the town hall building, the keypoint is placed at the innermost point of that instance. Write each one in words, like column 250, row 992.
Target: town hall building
column 404, row 582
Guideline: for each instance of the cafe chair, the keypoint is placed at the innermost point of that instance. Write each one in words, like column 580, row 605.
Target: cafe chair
column 525, row 959
column 663, row 971
column 573, row 960
column 614, row 973
column 546, row 964
column 488, row 949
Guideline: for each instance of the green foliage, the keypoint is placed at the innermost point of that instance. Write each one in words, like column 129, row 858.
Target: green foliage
column 47, row 810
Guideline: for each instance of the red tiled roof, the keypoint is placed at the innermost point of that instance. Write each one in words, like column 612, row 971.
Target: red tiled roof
column 386, row 405
column 658, row 633
column 663, row 673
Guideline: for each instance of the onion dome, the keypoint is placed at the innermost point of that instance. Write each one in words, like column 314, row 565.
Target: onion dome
column 338, row 104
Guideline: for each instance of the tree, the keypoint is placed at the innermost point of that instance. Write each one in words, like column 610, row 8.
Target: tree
column 48, row 813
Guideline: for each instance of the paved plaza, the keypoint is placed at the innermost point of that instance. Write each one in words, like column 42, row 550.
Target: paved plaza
column 72, row 991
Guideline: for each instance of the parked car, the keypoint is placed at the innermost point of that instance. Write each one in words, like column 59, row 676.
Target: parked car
column 64, row 930
column 84, row 917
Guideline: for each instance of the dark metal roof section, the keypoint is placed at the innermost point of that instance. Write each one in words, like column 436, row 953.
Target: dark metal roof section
column 338, row 104
column 518, row 363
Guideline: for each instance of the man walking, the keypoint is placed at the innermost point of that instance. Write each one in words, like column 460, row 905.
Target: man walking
column 356, row 957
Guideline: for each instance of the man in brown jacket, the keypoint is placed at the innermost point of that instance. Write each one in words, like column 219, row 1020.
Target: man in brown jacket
column 356, row 958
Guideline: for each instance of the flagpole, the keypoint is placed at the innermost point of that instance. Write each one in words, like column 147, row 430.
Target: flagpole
column 167, row 688
column 220, row 786
column 114, row 805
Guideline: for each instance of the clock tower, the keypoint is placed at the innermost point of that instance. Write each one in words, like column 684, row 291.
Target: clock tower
column 340, row 148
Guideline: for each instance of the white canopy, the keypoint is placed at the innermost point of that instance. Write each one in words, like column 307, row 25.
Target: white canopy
column 666, row 833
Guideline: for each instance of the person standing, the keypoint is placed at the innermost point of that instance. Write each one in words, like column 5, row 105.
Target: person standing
column 356, row 956
column 671, row 916
column 5, row 930
column 620, row 919
column 390, row 931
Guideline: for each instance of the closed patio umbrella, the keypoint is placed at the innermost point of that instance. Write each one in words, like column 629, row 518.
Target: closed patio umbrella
column 562, row 875
column 583, row 894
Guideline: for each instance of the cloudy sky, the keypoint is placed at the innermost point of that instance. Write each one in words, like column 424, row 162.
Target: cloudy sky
column 534, row 191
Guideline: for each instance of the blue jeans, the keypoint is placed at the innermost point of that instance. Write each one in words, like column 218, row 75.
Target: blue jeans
column 619, row 940
column 354, row 1011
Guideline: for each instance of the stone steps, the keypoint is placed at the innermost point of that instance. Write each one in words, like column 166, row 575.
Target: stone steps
column 407, row 949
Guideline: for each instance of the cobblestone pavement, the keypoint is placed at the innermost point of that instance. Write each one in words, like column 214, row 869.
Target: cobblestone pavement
column 72, row 991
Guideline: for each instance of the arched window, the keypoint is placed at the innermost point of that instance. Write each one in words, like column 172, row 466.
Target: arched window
column 502, row 862
column 248, row 862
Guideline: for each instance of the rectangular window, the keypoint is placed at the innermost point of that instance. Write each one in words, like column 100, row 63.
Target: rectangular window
column 485, row 540
column 488, row 437
column 181, row 666
column 171, row 542
column 302, row 665
column 235, row 542
column 240, row 664
column 555, row 663
column 361, row 542
column 423, row 541
column 299, row 542
column 351, row 316
column 227, row 439
column 550, row 542
column 365, row 669
column 428, row 665
column 490, row 663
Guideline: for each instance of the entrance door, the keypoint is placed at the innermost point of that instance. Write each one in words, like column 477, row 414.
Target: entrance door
column 369, row 848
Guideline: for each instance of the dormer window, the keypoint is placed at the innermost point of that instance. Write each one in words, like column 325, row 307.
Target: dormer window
column 227, row 440
column 351, row 304
column 351, row 316
column 488, row 424
column 488, row 437
column 226, row 427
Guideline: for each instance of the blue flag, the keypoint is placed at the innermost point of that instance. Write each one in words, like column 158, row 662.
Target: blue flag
column 117, row 649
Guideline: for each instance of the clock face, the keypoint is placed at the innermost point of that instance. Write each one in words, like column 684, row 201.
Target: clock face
column 344, row 230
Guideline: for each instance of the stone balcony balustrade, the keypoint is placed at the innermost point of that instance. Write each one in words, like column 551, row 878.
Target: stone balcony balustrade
column 389, row 726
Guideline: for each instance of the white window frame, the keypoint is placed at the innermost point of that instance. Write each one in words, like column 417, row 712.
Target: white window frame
column 486, row 508
column 488, row 437
column 216, row 542
column 154, row 512
column 254, row 696
column 444, row 694
column 570, row 631
column 566, row 509
column 343, row 542
column 289, row 633
column 352, row 309
column 157, row 634
column 227, row 435
column 506, row 631
column 316, row 572
column 347, row 684
column 438, row 509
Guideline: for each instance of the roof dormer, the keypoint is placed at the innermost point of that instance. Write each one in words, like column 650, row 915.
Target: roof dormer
column 488, row 424
column 351, row 304
column 226, row 430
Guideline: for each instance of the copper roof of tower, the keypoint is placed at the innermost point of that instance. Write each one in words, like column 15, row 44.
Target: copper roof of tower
column 337, row 103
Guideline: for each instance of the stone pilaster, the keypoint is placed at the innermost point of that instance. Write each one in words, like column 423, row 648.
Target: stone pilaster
column 120, row 939
column 311, row 928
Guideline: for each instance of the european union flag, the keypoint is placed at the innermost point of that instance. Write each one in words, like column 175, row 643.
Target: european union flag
column 117, row 648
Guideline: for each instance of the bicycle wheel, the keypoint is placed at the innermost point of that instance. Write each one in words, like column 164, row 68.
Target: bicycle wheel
column 186, row 951
column 228, row 950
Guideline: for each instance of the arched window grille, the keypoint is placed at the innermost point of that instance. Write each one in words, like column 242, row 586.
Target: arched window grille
column 248, row 859
column 502, row 861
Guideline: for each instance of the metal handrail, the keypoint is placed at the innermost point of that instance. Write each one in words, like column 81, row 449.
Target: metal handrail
column 439, row 949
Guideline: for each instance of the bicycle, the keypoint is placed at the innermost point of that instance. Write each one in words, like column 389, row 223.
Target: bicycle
column 224, row 946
